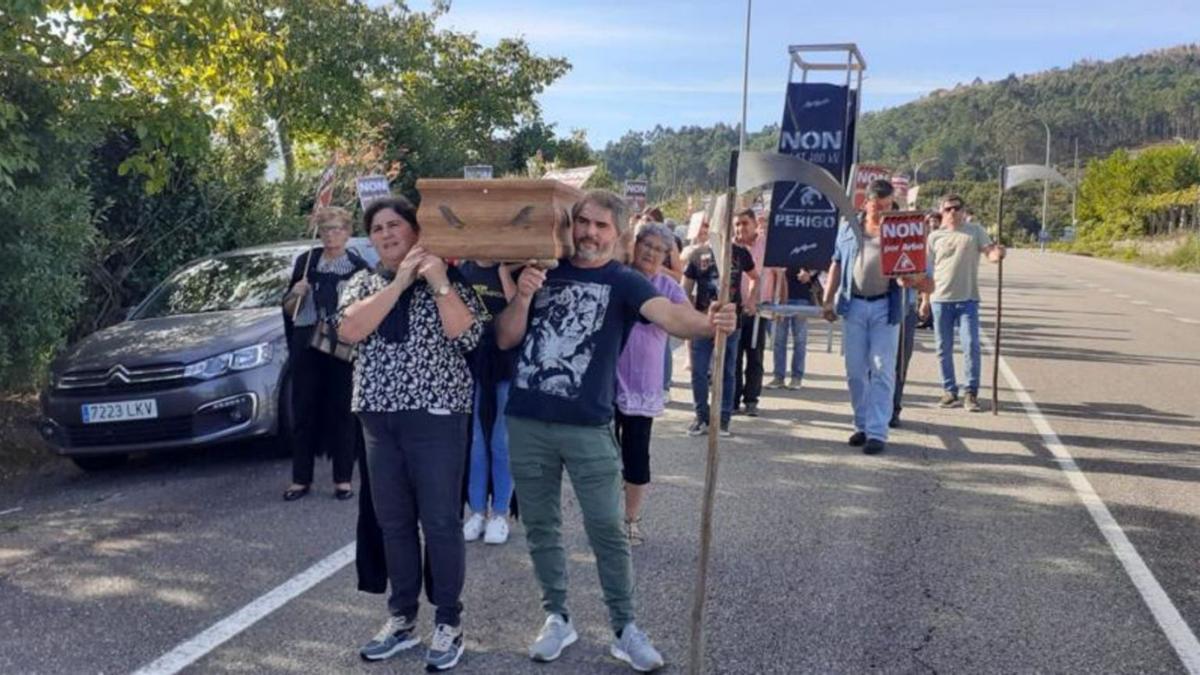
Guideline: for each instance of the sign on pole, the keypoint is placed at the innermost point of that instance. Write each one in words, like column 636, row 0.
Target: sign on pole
column 902, row 243
column 635, row 194
column 371, row 188
column 863, row 175
column 478, row 171
column 816, row 127
column 324, row 195
column 574, row 177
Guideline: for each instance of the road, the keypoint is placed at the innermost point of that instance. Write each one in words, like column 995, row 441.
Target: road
column 967, row 547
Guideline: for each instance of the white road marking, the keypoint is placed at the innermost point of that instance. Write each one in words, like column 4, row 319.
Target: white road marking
column 1122, row 296
column 1182, row 319
column 214, row 636
column 1176, row 629
column 1140, row 302
column 1162, row 311
column 14, row 510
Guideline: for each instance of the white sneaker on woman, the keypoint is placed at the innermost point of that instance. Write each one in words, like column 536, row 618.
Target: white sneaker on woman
column 497, row 530
column 473, row 528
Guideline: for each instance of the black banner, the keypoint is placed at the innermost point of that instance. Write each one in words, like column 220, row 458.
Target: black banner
column 816, row 128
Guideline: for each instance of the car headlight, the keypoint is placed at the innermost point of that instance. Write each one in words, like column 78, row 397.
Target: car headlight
column 238, row 359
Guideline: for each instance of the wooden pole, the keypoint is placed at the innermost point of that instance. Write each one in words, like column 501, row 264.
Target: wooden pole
column 999, row 299
column 717, row 370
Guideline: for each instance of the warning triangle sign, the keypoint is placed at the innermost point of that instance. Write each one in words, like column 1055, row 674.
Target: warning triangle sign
column 904, row 265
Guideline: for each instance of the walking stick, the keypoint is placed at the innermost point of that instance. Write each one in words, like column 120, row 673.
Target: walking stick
column 696, row 649
column 999, row 299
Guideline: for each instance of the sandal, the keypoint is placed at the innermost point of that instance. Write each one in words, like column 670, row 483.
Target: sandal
column 294, row 493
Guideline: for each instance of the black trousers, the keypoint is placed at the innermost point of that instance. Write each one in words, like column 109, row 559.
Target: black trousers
column 903, row 357
column 633, row 435
column 748, row 373
column 321, row 416
column 415, row 461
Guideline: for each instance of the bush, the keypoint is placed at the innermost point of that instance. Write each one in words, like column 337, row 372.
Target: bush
column 47, row 235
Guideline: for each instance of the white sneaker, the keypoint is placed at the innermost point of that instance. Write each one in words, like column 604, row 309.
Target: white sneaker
column 497, row 530
column 556, row 635
column 473, row 528
column 634, row 648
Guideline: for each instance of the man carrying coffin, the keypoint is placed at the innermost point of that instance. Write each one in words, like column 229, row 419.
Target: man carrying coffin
column 571, row 323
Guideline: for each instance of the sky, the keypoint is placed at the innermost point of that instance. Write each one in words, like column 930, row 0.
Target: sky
column 637, row 64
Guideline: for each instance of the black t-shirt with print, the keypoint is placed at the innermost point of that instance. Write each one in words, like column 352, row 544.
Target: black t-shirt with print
column 488, row 362
column 703, row 270
column 578, row 324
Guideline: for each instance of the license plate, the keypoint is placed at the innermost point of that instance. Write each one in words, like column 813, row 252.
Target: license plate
column 120, row 411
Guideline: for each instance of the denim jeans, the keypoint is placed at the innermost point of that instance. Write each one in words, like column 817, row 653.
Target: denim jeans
column 490, row 459
column 702, row 356
column 871, row 365
column 965, row 316
column 799, row 330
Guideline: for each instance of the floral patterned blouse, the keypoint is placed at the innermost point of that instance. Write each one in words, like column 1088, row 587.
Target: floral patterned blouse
column 408, row 363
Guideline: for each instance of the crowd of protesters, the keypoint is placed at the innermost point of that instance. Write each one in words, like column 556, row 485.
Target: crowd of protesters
column 481, row 382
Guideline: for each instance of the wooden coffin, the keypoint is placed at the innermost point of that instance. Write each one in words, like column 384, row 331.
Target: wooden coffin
column 502, row 220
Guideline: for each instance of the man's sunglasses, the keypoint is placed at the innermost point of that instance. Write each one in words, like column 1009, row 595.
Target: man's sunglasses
column 952, row 207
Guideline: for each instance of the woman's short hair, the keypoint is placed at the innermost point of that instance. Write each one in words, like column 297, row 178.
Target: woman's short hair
column 332, row 215
column 653, row 229
column 398, row 204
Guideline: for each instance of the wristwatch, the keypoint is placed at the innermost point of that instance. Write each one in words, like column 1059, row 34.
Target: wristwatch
column 441, row 291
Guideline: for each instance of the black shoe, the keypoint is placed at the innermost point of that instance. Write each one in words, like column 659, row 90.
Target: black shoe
column 751, row 410
column 292, row 494
column 342, row 494
column 739, row 410
column 857, row 439
column 874, row 446
column 894, row 423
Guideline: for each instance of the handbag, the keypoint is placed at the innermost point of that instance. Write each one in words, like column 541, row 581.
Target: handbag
column 325, row 340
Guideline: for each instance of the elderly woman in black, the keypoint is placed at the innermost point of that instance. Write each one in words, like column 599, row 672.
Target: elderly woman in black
column 322, row 423
column 414, row 320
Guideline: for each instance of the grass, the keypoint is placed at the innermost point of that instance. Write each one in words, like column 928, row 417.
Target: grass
column 1184, row 256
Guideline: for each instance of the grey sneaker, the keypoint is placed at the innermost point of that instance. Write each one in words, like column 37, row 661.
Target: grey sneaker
column 751, row 410
column 556, row 635
column 724, row 430
column 445, row 648
column 698, row 428
column 794, row 383
column 971, row 402
column 775, row 383
column 949, row 399
column 396, row 635
column 634, row 648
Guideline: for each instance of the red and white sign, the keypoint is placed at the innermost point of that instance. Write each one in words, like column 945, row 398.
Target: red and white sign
column 902, row 241
column 324, row 196
column 863, row 175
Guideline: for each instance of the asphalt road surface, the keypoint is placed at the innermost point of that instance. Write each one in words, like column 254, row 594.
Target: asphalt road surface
column 977, row 543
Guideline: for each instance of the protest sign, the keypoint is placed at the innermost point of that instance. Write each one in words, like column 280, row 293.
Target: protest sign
column 900, row 188
column 694, row 223
column 371, row 188
column 574, row 177
column 816, row 127
column 635, row 194
column 902, row 243
column 477, row 171
column 324, row 194
column 863, row 175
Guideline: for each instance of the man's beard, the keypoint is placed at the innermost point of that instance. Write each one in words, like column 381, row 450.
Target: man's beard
column 591, row 255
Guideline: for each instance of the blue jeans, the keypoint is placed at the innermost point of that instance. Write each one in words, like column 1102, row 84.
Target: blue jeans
column 702, row 356
column 965, row 316
column 799, row 329
column 490, row 461
column 871, row 344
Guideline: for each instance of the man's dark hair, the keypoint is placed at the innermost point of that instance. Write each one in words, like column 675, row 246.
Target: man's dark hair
column 398, row 204
column 879, row 188
column 746, row 213
column 953, row 197
column 655, row 214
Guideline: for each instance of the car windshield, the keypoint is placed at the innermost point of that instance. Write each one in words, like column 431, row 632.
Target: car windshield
column 247, row 281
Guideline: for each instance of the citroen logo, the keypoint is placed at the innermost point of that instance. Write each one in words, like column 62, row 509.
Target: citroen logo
column 118, row 372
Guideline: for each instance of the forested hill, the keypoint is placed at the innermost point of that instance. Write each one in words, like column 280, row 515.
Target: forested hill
column 971, row 129
column 974, row 128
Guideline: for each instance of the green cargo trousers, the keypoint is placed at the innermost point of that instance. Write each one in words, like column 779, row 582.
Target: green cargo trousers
column 538, row 451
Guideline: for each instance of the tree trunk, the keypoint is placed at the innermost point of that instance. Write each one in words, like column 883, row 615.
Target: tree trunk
column 285, row 149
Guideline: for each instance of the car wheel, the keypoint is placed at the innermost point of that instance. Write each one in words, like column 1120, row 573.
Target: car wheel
column 100, row 462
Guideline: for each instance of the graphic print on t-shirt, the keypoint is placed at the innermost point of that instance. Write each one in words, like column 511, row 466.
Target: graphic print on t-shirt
column 561, row 342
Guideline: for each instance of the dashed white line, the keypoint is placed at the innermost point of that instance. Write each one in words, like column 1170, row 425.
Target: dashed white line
column 1162, row 311
column 1184, row 319
column 214, row 636
column 1140, row 302
column 1165, row 613
column 1122, row 296
column 14, row 510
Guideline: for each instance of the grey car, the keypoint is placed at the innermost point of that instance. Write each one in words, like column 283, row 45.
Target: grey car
column 202, row 360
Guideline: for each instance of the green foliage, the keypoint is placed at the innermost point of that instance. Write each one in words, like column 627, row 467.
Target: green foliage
column 1119, row 194
column 44, row 245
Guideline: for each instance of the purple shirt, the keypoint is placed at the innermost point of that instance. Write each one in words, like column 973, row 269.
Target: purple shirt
column 640, row 368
